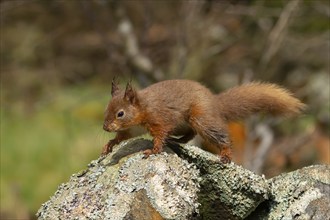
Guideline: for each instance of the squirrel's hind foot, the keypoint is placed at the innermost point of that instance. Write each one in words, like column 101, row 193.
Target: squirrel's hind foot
column 147, row 153
column 224, row 159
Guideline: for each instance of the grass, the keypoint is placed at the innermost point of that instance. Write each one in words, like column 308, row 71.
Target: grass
column 42, row 149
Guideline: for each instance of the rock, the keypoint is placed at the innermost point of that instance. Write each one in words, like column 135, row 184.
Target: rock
column 228, row 191
column 193, row 185
column 161, row 187
column 302, row 194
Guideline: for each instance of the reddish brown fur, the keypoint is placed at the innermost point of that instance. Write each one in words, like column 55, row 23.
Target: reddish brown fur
column 242, row 101
column 184, row 108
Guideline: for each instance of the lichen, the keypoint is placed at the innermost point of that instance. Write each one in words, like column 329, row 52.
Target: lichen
column 229, row 187
column 170, row 182
column 293, row 192
column 107, row 190
column 123, row 185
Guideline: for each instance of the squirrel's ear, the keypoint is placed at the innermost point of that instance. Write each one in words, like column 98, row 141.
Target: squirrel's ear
column 114, row 87
column 130, row 94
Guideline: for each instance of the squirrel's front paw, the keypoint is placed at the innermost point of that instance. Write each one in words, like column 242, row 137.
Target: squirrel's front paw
column 107, row 148
column 147, row 153
column 225, row 159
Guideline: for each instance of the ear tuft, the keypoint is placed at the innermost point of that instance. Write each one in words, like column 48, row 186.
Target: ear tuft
column 114, row 87
column 130, row 94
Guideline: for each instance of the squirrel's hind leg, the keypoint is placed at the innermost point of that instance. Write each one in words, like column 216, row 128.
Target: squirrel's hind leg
column 215, row 134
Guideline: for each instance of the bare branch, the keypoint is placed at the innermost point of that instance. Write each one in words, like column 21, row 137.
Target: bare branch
column 277, row 34
column 322, row 8
column 266, row 134
column 136, row 58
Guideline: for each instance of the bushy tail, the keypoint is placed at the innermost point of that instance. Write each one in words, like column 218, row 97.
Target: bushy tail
column 242, row 101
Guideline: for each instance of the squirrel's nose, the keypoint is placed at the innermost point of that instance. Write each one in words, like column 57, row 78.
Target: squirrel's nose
column 105, row 127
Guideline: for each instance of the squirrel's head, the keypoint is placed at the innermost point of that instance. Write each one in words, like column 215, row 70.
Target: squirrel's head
column 123, row 111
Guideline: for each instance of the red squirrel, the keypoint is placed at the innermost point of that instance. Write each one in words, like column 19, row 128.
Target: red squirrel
column 186, row 108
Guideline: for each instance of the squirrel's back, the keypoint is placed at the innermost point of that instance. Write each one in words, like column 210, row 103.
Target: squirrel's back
column 176, row 93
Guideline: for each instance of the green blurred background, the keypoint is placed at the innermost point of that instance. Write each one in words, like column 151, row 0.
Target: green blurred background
column 58, row 59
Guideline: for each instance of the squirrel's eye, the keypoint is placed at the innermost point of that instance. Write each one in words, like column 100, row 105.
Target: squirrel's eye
column 120, row 114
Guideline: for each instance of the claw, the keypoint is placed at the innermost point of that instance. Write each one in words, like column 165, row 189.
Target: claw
column 147, row 153
column 106, row 149
column 224, row 159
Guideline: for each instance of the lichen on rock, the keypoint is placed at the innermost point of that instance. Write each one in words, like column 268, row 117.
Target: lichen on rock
column 188, row 184
column 293, row 194
column 115, row 191
column 228, row 191
column 301, row 194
